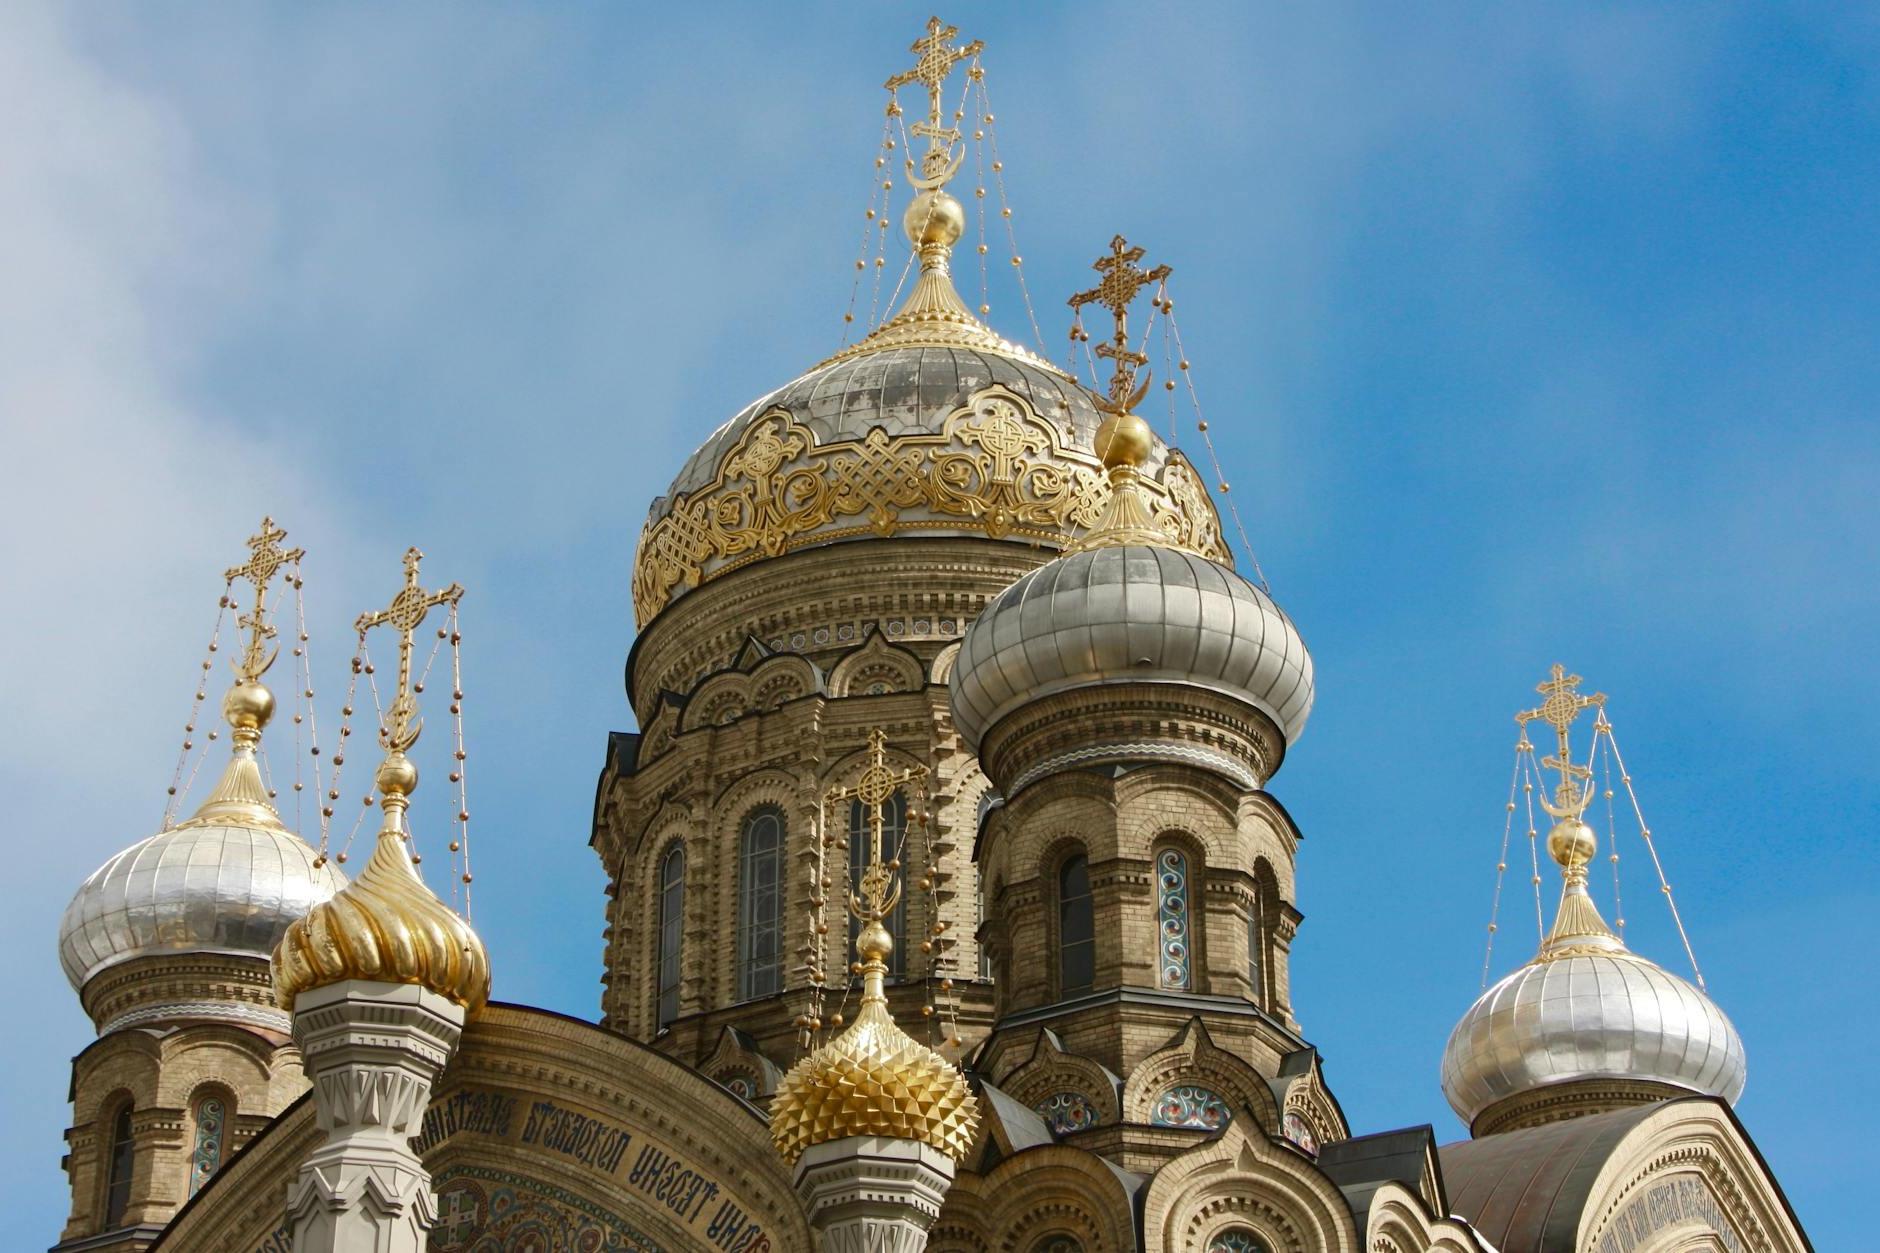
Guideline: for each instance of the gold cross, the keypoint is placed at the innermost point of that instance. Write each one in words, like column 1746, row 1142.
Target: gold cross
column 934, row 60
column 265, row 558
column 1123, row 280
column 1561, row 707
column 880, row 889
column 405, row 615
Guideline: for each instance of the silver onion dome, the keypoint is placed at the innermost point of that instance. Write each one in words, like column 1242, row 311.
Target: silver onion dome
column 230, row 880
column 1136, row 613
column 1589, row 1016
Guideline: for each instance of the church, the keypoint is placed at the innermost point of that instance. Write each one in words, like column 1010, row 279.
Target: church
column 950, row 885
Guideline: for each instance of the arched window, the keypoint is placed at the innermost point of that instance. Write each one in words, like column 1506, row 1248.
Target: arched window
column 893, row 831
column 1172, row 912
column 121, row 1161
column 1077, row 927
column 211, row 1118
column 671, row 931
column 760, row 904
column 1236, row 1240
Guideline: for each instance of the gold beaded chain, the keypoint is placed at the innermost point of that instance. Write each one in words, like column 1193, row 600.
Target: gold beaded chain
column 1534, row 843
column 178, row 789
column 1603, row 750
column 460, row 846
column 1501, row 864
column 877, row 211
column 1214, row 457
column 976, row 75
column 1603, row 726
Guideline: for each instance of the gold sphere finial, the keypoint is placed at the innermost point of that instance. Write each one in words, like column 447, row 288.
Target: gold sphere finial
column 1572, row 843
column 934, row 219
column 874, row 943
column 1124, row 440
column 248, row 706
column 397, row 776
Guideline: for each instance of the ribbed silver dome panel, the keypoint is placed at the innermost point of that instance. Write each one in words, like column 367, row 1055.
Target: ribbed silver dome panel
column 1589, row 1017
column 204, row 887
column 1130, row 615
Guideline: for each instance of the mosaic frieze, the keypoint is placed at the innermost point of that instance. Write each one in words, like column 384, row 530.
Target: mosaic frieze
column 490, row 1211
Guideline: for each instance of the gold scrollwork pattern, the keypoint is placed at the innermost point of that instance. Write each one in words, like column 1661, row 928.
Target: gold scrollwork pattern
column 994, row 465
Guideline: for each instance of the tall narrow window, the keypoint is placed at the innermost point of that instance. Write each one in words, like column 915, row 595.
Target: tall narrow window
column 671, row 931
column 1256, row 945
column 1077, row 940
column 760, row 904
column 211, row 1128
column 1171, row 866
column 893, row 831
column 123, row 1160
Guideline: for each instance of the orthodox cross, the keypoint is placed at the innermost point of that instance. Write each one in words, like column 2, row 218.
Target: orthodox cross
column 405, row 615
column 879, row 888
column 265, row 558
column 934, row 59
column 1561, row 707
column 1123, row 280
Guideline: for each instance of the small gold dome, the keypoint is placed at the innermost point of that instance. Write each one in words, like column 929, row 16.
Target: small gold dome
column 385, row 926
column 874, row 1080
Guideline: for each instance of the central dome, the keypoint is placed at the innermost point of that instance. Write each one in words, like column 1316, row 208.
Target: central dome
column 924, row 439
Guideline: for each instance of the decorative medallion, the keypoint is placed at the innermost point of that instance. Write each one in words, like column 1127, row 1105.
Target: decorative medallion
column 994, row 466
column 1236, row 1240
column 1065, row 1112
column 1172, row 909
column 1186, row 1105
column 739, row 1082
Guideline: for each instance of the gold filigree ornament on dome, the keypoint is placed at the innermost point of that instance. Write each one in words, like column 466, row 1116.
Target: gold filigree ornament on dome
column 994, row 466
column 874, row 1079
column 386, row 926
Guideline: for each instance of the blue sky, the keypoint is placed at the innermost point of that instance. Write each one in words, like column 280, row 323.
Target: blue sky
column 1527, row 334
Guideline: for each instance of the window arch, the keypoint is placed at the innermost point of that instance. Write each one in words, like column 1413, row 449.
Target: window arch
column 760, row 903
column 671, row 931
column 210, row 1114
column 1175, row 925
column 893, row 833
column 1077, row 927
column 120, row 1164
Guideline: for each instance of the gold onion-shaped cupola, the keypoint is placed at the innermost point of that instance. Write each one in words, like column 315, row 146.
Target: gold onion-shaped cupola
column 387, row 926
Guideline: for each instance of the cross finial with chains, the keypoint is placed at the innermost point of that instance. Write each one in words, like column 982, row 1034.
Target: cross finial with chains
column 265, row 558
column 405, row 615
column 1123, row 280
column 1560, row 709
column 880, row 888
column 934, row 59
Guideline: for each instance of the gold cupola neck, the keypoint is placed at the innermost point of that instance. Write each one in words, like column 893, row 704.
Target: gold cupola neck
column 874, row 1079
column 240, row 796
column 386, row 926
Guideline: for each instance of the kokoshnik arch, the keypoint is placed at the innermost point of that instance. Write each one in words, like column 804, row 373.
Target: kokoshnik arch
column 949, row 902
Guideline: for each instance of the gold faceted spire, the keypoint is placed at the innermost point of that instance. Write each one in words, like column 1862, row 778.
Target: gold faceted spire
column 934, row 315
column 1577, row 928
column 874, row 1079
column 387, row 926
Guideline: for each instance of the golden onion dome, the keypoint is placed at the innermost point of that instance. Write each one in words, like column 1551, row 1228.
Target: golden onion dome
column 874, row 1080
column 386, row 926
